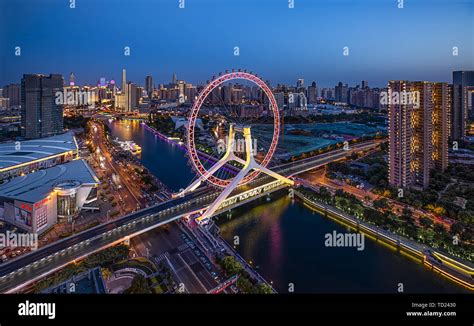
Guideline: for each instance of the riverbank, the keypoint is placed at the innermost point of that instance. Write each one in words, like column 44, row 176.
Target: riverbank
column 231, row 251
column 436, row 261
column 282, row 239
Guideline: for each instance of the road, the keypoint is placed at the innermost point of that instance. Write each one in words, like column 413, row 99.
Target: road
column 128, row 192
column 318, row 178
column 171, row 245
column 34, row 265
column 45, row 260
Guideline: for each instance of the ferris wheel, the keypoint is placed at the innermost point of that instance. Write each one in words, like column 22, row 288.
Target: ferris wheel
column 232, row 134
column 211, row 101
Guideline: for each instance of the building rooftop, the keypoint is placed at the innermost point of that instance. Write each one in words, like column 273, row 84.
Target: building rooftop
column 35, row 149
column 35, row 186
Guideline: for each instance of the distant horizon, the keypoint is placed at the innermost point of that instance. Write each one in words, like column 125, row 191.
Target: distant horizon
column 307, row 82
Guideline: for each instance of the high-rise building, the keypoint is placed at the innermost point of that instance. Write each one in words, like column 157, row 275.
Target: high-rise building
column 181, row 89
column 313, row 93
column 328, row 93
column 131, row 97
column 119, row 100
column 461, row 81
column 365, row 84
column 149, row 86
column 300, row 83
column 227, row 94
column 140, row 93
column 41, row 115
column 341, row 93
column 418, row 131
column 280, row 99
column 190, row 92
column 441, row 124
column 174, row 80
column 237, row 95
column 400, row 134
column 4, row 102
column 122, row 99
column 302, row 101
column 124, row 80
column 12, row 92
column 72, row 79
column 422, row 126
column 292, row 100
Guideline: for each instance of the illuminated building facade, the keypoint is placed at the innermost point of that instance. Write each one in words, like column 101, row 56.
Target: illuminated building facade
column 419, row 120
column 39, row 200
column 442, row 93
column 22, row 157
column 460, row 103
column 400, row 135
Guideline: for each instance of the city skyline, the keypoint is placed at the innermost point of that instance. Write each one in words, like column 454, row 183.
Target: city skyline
column 95, row 47
column 255, row 148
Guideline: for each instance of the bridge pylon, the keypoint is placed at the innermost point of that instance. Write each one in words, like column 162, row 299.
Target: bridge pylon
column 249, row 165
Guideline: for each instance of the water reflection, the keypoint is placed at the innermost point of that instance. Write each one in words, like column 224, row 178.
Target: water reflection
column 286, row 241
column 164, row 159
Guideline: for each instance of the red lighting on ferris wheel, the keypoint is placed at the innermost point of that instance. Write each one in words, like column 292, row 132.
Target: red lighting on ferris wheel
column 193, row 153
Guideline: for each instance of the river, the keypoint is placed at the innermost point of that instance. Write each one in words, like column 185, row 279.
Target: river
column 285, row 241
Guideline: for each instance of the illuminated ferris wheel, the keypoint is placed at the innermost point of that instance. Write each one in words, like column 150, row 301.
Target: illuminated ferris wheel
column 250, row 125
column 231, row 121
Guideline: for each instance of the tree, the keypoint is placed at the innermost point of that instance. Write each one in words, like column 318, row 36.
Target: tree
column 139, row 285
column 467, row 234
column 342, row 203
column 373, row 216
column 426, row 222
column 411, row 231
column 439, row 228
column 340, row 193
column 231, row 265
column 457, row 228
column 407, row 215
column 466, row 216
column 381, row 203
column 324, row 194
column 264, row 288
column 245, row 285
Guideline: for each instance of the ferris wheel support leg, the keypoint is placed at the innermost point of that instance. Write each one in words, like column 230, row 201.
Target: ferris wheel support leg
column 224, row 194
column 193, row 186
column 274, row 174
column 228, row 156
column 235, row 183
column 249, row 165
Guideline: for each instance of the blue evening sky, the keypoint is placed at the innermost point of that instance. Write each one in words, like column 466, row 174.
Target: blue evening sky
column 278, row 43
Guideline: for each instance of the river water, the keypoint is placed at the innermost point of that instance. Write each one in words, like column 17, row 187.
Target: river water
column 285, row 241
